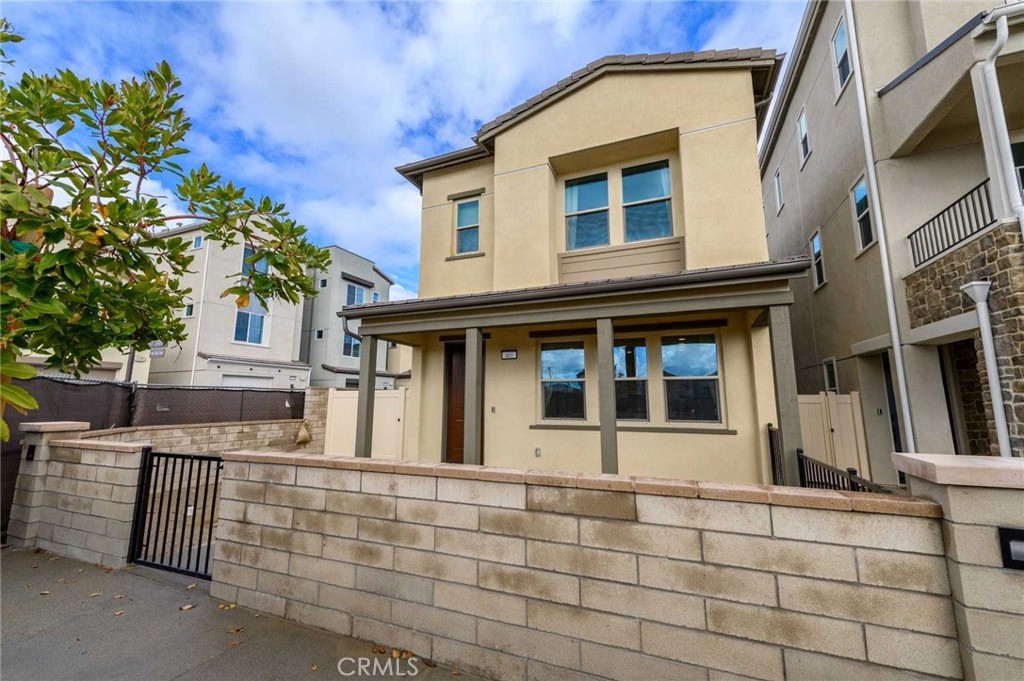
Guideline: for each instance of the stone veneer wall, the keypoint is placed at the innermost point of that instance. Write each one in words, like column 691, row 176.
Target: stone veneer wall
column 933, row 294
column 527, row 574
column 206, row 437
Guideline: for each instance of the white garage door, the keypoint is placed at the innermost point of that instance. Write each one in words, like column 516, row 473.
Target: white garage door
column 242, row 381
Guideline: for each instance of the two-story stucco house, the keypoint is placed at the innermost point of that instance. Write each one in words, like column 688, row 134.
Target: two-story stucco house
column 254, row 346
column 330, row 342
column 596, row 293
column 894, row 158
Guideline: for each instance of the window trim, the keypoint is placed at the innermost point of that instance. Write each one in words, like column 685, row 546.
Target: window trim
column 636, row 379
column 357, row 287
column 318, row 334
column 197, row 242
column 375, row 296
column 803, row 132
column 322, row 283
column 780, row 200
column 622, row 189
column 188, row 311
column 840, row 87
column 590, row 211
column 541, row 380
column 821, row 257
column 825, row 363
column 861, row 247
column 719, row 377
column 458, row 229
column 264, row 343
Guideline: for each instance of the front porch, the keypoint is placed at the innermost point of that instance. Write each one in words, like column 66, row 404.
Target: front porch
column 674, row 375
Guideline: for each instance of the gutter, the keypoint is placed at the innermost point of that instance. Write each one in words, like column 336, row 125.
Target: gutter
column 202, row 310
column 729, row 275
column 883, row 241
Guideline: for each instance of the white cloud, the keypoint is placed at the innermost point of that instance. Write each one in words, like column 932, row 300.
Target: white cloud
column 399, row 292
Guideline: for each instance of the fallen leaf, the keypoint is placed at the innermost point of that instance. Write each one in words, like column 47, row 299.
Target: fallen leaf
column 456, row 672
column 35, row 567
column 39, row 551
column 221, row 606
column 94, row 595
column 190, row 586
column 235, row 630
column 118, row 613
column 44, row 593
column 396, row 653
column 231, row 607
column 406, row 654
column 379, row 649
column 312, row 668
column 55, row 558
column 187, row 607
column 233, row 644
column 257, row 614
column 429, row 663
column 118, row 597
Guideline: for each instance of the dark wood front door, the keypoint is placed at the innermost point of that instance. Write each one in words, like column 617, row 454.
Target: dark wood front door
column 455, row 396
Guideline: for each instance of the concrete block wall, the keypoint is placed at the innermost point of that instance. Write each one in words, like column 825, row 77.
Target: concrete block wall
column 978, row 495
column 205, row 438
column 315, row 413
column 77, row 500
column 520, row 574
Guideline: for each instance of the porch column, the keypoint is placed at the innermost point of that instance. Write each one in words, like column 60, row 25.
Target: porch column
column 786, row 402
column 606, row 396
column 367, row 391
column 473, row 422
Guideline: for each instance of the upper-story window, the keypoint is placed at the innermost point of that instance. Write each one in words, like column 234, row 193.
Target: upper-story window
column 862, row 214
column 817, row 260
column 376, row 296
column 189, row 310
column 355, row 295
column 586, row 212
column 350, row 346
column 831, row 375
column 467, row 226
column 249, row 322
column 322, row 283
column 647, row 201
column 197, row 243
column 247, row 264
column 1017, row 149
column 805, row 140
column 841, row 53
column 779, row 200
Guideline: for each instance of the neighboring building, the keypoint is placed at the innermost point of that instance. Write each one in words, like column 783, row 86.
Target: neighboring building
column 113, row 366
column 896, row 226
column 331, row 351
column 254, row 346
column 595, row 291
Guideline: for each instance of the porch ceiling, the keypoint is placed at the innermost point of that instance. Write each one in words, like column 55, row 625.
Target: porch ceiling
column 733, row 288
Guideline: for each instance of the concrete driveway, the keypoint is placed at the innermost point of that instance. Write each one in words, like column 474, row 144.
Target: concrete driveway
column 63, row 619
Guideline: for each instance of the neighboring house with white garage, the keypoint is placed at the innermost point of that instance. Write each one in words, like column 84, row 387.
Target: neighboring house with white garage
column 330, row 343
column 253, row 346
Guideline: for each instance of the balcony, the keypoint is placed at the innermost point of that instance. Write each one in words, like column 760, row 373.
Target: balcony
column 963, row 218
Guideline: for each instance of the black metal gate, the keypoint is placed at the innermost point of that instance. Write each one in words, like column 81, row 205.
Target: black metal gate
column 175, row 512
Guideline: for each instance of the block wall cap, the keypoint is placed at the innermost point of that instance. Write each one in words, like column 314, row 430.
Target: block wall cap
column 966, row 471
column 53, row 426
column 863, row 502
column 93, row 445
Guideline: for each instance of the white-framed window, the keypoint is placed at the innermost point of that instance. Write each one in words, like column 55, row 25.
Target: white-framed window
column 647, row 201
column 831, row 375
column 351, row 382
column 779, row 199
column 467, row 226
column 692, row 378
column 563, row 380
column 376, row 296
column 355, row 295
column 630, row 361
column 805, row 140
column 1017, row 149
column 197, row 242
column 247, row 266
column 586, row 212
column 188, row 310
column 322, row 283
column 817, row 261
column 841, row 55
column 862, row 213
column 249, row 322
column 319, row 334
column 350, row 346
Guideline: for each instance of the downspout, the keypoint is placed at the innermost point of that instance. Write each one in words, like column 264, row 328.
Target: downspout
column 202, row 309
column 883, row 242
column 978, row 292
column 997, row 114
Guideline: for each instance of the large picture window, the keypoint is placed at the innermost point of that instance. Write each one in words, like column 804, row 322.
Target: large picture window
column 691, row 375
column 249, row 322
column 467, row 226
column 355, row 295
column 562, row 380
column 630, row 358
column 586, row 212
column 647, row 201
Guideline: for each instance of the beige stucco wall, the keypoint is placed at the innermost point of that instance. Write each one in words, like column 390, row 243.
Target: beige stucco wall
column 516, row 435
column 701, row 121
column 281, row 329
column 113, row 366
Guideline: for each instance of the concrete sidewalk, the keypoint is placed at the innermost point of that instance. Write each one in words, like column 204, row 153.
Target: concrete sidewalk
column 69, row 633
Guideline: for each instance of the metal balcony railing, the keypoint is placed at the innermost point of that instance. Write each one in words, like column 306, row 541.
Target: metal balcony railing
column 968, row 215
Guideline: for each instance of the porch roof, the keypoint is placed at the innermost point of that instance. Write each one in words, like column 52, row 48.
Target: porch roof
column 734, row 287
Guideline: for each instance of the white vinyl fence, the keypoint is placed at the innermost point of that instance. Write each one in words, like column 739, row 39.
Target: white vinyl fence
column 833, row 430
column 388, row 423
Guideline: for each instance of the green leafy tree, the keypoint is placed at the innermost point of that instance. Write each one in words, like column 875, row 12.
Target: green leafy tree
column 83, row 264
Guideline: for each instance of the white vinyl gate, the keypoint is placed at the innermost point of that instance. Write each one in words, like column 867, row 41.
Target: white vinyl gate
column 388, row 423
column 833, row 430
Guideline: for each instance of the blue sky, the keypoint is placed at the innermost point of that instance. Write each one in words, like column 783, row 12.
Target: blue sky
column 315, row 103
